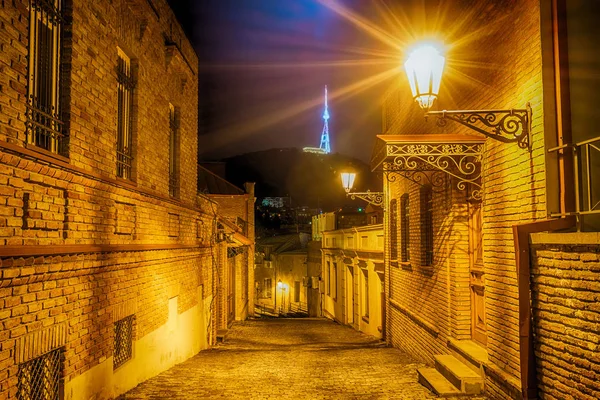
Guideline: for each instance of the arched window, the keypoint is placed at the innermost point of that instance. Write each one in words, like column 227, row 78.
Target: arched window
column 405, row 227
column 426, row 226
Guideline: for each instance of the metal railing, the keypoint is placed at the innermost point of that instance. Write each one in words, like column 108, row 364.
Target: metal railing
column 586, row 170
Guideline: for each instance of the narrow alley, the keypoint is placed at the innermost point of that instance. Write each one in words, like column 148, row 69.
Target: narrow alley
column 290, row 358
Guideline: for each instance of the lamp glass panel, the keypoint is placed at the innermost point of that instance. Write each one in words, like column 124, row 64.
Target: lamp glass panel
column 424, row 69
column 348, row 180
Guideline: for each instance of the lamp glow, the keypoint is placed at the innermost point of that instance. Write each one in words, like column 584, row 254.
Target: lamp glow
column 348, row 180
column 424, row 69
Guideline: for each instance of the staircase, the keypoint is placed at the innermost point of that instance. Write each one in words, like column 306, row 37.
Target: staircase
column 456, row 374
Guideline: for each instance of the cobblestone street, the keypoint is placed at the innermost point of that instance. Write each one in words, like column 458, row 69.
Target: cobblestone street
column 290, row 358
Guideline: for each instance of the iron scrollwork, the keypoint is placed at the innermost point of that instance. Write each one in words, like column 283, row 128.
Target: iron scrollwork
column 504, row 125
column 460, row 160
column 435, row 179
column 375, row 198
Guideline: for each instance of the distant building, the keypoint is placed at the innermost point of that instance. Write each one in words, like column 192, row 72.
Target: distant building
column 235, row 223
column 281, row 274
column 353, row 276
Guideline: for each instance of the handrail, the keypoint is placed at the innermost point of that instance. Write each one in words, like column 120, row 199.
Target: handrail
column 585, row 172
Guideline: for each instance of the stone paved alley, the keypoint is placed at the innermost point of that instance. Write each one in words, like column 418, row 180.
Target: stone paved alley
column 293, row 359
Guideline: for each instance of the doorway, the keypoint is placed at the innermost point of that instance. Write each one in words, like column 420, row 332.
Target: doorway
column 477, row 274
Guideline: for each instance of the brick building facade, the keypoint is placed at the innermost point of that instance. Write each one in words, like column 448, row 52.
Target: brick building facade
column 109, row 257
column 458, row 265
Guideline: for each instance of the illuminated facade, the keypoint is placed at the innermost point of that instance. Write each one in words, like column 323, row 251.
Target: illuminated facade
column 470, row 280
column 109, row 254
column 353, row 277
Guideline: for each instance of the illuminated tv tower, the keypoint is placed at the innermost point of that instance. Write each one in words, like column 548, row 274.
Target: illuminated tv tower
column 325, row 135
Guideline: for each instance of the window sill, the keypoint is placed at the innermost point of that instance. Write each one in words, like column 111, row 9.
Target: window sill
column 125, row 181
column 365, row 318
column 47, row 153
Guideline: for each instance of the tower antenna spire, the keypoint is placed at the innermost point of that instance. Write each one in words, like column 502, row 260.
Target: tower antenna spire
column 324, row 146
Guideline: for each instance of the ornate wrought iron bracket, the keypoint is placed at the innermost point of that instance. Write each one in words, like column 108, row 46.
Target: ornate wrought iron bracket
column 504, row 125
column 459, row 160
column 375, row 198
column 435, row 179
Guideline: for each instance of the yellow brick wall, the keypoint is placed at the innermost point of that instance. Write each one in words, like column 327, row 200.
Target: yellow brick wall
column 495, row 63
column 565, row 311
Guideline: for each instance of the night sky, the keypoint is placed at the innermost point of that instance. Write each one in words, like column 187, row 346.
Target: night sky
column 264, row 65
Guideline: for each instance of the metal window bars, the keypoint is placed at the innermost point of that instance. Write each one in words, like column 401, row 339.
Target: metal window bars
column 44, row 123
column 427, row 225
column 40, row 378
column 586, row 170
column 125, row 86
column 173, row 140
column 123, row 341
column 405, row 227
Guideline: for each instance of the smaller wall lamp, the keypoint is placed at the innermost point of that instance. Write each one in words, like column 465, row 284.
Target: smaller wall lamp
column 375, row 198
column 424, row 68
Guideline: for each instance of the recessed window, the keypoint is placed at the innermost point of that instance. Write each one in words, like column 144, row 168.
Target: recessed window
column 393, row 230
column 405, row 227
column 45, row 125
column 40, row 378
column 334, row 281
column 427, row 225
column 366, row 293
column 328, row 278
column 123, row 341
column 173, row 152
column 125, row 86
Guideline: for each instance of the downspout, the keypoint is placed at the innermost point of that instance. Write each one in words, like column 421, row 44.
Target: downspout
column 523, row 263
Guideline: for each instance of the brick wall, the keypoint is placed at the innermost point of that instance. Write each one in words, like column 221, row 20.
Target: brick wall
column 493, row 61
column 82, row 248
column 565, row 295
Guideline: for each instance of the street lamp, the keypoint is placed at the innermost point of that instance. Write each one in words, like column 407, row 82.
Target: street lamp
column 281, row 287
column 375, row 198
column 424, row 68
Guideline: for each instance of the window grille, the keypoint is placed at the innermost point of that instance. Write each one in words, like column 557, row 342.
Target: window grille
column 40, row 378
column 394, row 230
column 173, row 151
column 427, row 225
column 44, row 123
column 125, row 86
column 405, row 227
column 123, row 341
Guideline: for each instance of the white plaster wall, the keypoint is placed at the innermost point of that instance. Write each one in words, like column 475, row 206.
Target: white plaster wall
column 181, row 337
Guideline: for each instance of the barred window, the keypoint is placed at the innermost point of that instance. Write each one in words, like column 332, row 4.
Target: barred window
column 393, row 230
column 41, row 377
column 405, row 227
column 173, row 152
column 427, row 225
column 44, row 124
column 125, row 86
column 123, row 341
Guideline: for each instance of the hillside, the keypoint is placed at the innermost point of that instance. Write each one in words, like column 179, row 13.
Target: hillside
column 310, row 179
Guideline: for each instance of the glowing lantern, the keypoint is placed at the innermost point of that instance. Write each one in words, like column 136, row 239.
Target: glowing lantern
column 424, row 69
column 348, row 180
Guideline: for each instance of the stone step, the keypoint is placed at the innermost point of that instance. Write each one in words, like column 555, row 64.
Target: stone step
column 470, row 353
column 434, row 381
column 461, row 376
column 221, row 333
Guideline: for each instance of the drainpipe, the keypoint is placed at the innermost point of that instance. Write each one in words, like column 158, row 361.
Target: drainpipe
column 523, row 263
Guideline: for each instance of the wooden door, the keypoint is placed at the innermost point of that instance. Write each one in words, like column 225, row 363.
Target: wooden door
column 477, row 274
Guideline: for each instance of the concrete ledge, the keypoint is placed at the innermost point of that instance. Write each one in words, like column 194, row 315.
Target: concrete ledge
column 572, row 238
